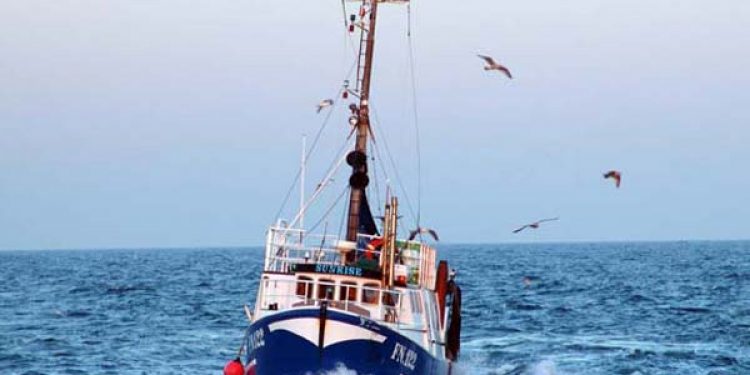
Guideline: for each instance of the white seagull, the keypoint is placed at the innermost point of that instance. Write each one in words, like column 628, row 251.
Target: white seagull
column 413, row 234
column 324, row 104
column 494, row 65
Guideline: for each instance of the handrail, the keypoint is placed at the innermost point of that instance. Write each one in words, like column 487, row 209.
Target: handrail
column 379, row 309
column 286, row 247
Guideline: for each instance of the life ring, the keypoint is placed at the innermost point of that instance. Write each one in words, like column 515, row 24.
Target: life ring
column 373, row 245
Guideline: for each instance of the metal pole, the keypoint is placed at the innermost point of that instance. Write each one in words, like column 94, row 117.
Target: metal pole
column 392, row 241
column 302, row 189
column 363, row 123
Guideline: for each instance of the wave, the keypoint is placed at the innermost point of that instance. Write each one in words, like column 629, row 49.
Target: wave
column 543, row 367
column 638, row 298
column 691, row 309
column 124, row 289
column 71, row 313
column 515, row 304
column 484, row 356
column 340, row 369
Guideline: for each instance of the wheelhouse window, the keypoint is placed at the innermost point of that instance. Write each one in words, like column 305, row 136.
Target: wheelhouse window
column 348, row 291
column 370, row 293
column 326, row 289
column 304, row 287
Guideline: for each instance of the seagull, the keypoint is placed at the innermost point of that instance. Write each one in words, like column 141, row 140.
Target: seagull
column 493, row 65
column 324, row 104
column 413, row 234
column 535, row 224
column 615, row 175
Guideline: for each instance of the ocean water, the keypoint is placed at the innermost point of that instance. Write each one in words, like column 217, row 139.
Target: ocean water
column 542, row 309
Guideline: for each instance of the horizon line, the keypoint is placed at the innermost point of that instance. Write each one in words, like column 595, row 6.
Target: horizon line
column 439, row 244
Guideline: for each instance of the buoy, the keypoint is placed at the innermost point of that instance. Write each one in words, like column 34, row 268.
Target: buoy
column 234, row 367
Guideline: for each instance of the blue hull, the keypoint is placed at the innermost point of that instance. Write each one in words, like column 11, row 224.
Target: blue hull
column 275, row 345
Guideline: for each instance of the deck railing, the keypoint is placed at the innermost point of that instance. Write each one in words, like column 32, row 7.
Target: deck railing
column 286, row 247
column 397, row 307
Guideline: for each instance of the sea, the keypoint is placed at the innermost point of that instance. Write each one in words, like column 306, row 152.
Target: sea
column 528, row 309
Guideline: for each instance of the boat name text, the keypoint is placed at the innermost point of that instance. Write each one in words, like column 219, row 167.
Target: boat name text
column 338, row 270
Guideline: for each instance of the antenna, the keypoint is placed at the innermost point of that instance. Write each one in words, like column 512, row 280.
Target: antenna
column 302, row 187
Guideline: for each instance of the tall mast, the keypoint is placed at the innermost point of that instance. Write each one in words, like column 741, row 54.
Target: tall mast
column 358, row 158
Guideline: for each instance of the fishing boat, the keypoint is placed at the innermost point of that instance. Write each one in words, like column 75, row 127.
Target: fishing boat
column 363, row 300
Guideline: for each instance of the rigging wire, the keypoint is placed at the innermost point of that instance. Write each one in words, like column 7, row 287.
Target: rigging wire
column 328, row 211
column 396, row 174
column 347, row 35
column 307, row 156
column 416, row 216
column 314, row 144
column 343, row 216
column 321, row 186
column 343, row 12
column 408, row 19
column 347, row 77
column 376, row 181
column 415, row 111
column 334, row 164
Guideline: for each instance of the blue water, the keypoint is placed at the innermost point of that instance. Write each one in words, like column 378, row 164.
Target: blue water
column 609, row 308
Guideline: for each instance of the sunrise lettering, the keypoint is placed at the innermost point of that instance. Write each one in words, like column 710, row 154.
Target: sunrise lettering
column 338, row 270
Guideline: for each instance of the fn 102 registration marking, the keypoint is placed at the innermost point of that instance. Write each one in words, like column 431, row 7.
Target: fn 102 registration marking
column 256, row 340
column 405, row 356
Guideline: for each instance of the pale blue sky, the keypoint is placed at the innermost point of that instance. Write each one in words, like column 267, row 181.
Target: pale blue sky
column 178, row 123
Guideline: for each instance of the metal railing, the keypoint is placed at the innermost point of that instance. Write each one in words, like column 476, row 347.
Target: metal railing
column 286, row 247
column 381, row 305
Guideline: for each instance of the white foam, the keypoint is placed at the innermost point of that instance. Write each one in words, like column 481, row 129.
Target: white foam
column 340, row 369
column 545, row 367
column 479, row 366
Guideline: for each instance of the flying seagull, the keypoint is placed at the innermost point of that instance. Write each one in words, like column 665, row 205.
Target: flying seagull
column 493, row 65
column 413, row 234
column 324, row 104
column 615, row 175
column 535, row 224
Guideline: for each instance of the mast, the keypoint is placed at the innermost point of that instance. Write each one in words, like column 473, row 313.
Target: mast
column 358, row 158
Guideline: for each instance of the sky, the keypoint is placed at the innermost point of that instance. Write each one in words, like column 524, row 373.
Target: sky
column 171, row 123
